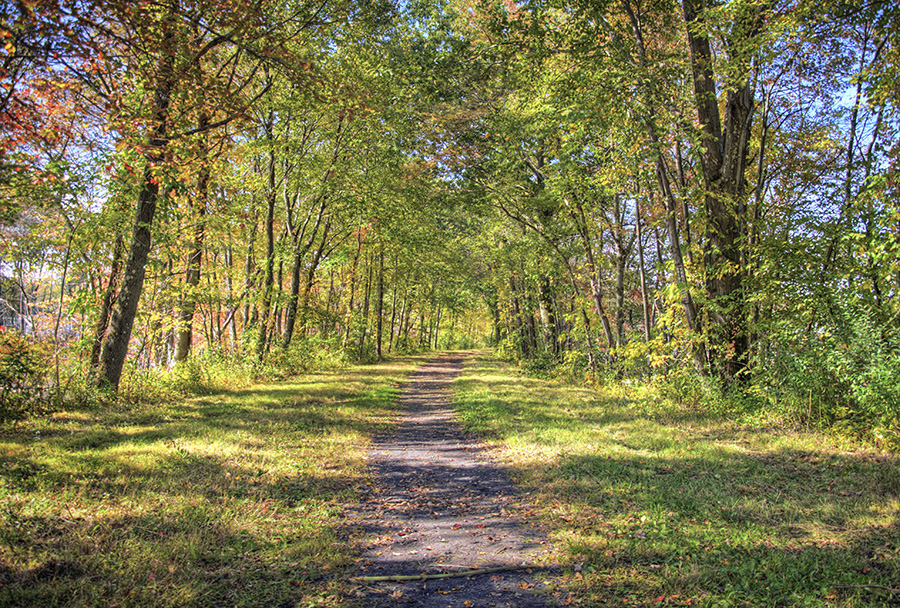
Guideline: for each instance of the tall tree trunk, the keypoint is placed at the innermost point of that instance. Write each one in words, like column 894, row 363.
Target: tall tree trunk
column 494, row 308
column 195, row 256
column 230, row 322
column 365, row 311
column 328, row 327
column 596, row 280
column 301, row 248
column 723, row 157
column 106, row 306
column 275, row 326
column 665, row 188
column 379, row 302
column 421, row 341
column 248, row 316
column 353, row 269
column 265, row 307
column 548, row 317
column 115, row 347
column 524, row 342
column 645, row 304
column 396, row 342
column 436, row 326
column 407, row 322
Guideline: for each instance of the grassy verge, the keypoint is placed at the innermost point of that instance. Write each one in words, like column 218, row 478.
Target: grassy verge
column 655, row 505
column 227, row 500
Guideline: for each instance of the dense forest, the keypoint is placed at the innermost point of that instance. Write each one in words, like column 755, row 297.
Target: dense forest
column 698, row 196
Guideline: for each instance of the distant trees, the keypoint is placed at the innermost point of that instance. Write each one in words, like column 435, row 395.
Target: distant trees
column 233, row 175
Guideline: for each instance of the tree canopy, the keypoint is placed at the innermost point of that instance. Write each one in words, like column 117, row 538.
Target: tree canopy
column 702, row 193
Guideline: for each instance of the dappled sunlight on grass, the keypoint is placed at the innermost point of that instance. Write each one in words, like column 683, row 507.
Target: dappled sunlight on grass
column 227, row 499
column 648, row 500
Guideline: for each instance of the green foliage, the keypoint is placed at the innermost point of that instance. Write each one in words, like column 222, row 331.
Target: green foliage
column 542, row 365
column 23, row 370
column 306, row 353
column 846, row 378
column 212, row 371
column 457, row 341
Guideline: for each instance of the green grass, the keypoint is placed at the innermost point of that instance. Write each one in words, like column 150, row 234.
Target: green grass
column 227, row 500
column 652, row 504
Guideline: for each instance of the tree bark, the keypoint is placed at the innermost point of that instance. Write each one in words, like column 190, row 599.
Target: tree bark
column 379, row 302
column 192, row 274
column 301, row 248
column 596, row 279
column 645, row 304
column 365, row 310
column 265, row 307
column 115, row 347
column 723, row 157
column 106, row 306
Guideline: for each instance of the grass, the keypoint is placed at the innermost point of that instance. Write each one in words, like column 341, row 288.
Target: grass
column 227, row 500
column 653, row 504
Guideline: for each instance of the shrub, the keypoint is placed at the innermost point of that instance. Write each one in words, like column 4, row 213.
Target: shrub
column 23, row 368
column 846, row 376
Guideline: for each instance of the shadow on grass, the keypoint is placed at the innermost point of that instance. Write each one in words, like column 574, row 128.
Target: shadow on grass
column 680, row 505
column 176, row 557
column 219, row 500
column 789, row 528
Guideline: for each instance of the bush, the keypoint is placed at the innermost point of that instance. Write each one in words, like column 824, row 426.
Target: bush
column 847, row 377
column 23, row 368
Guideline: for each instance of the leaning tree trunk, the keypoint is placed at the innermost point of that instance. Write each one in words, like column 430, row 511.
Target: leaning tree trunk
column 596, row 280
column 115, row 348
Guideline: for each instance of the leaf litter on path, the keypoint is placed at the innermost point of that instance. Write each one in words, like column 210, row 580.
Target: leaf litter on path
column 439, row 507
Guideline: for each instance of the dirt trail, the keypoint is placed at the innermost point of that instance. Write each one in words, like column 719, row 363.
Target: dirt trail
column 440, row 506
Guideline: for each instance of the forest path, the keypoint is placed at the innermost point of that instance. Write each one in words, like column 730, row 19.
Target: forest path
column 440, row 506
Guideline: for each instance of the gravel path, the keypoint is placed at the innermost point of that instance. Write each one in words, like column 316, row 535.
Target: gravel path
column 441, row 506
